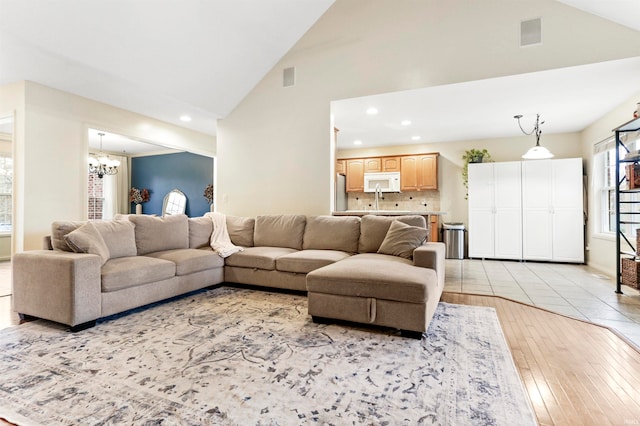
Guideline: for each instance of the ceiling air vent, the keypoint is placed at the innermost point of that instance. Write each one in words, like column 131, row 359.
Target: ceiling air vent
column 531, row 32
column 289, row 77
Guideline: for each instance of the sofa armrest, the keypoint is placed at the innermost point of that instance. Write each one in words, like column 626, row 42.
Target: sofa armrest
column 58, row 286
column 431, row 255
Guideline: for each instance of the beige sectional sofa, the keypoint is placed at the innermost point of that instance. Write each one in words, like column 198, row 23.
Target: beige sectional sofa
column 147, row 259
column 372, row 270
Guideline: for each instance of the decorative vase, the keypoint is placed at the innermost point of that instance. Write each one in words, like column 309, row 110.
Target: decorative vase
column 138, row 208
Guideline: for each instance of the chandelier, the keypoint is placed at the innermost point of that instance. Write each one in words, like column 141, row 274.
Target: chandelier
column 537, row 152
column 102, row 165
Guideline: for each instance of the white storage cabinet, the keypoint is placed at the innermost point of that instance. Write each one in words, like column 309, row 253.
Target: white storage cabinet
column 531, row 210
column 552, row 210
column 495, row 210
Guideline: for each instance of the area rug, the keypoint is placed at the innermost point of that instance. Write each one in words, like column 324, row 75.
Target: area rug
column 232, row 356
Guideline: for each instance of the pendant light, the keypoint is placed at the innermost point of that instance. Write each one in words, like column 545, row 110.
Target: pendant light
column 102, row 165
column 537, row 152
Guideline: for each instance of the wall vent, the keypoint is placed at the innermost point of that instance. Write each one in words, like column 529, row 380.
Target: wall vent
column 531, row 32
column 289, row 77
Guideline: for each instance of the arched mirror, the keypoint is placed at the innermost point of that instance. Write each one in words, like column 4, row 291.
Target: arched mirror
column 175, row 202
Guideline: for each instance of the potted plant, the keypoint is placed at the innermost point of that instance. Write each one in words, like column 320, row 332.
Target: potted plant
column 208, row 194
column 138, row 196
column 473, row 156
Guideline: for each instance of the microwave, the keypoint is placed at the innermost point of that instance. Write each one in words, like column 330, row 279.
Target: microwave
column 385, row 181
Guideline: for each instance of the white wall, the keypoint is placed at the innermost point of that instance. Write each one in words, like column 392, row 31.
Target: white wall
column 274, row 153
column 602, row 248
column 50, row 156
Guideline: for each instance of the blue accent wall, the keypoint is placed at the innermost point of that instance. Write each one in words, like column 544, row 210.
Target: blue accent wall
column 190, row 173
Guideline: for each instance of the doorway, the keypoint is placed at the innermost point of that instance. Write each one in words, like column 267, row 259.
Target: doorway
column 107, row 193
column 6, row 202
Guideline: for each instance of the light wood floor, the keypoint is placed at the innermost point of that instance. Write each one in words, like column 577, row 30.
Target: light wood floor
column 575, row 373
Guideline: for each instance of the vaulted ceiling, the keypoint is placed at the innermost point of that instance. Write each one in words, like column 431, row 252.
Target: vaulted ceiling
column 167, row 58
column 160, row 58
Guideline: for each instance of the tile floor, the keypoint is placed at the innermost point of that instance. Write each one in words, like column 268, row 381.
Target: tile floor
column 573, row 290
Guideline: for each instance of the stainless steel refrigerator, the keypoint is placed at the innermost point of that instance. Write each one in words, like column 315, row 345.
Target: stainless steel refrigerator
column 341, row 193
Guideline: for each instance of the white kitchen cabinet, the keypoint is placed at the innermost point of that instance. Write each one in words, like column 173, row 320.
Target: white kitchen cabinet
column 495, row 211
column 531, row 210
column 552, row 210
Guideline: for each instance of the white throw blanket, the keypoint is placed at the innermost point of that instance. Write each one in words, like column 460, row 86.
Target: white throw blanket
column 220, row 241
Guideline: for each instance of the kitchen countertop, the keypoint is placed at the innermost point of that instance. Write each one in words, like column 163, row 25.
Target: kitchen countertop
column 388, row 213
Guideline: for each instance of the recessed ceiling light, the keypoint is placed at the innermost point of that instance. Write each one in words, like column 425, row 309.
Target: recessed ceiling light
column 185, row 118
column 372, row 111
column 357, row 142
column 405, row 122
column 415, row 138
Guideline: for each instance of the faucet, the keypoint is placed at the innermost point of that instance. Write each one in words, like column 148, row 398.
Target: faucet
column 378, row 190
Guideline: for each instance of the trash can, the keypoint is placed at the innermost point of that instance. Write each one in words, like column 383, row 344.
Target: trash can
column 453, row 237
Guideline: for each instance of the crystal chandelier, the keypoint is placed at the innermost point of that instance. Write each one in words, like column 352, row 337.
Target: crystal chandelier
column 537, row 152
column 102, row 165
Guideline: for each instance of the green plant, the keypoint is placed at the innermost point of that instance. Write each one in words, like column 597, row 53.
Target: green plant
column 473, row 156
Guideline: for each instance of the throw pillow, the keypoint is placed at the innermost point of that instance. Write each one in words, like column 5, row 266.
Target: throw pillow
column 402, row 239
column 87, row 239
column 373, row 229
column 284, row 230
column 160, row 233
column 119, row 237
column 200, row 230
column 240, row 230
column 332, row 233
column 61, row 228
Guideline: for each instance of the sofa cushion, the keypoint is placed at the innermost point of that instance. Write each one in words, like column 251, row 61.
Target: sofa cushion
column 374, row 228
column 190, row 260
column 332, row 233
column 119, row 237
column 305, row 261
column 279, row 231
column 241, row 230
column 61, row 228
column 125, row 272
column 200, row 230
column 258, row 257
column 87, row 239
column 378, row 276
column 402, row 239
column 160, row 233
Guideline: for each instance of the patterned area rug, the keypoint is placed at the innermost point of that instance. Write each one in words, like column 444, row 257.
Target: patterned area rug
column 232, row 356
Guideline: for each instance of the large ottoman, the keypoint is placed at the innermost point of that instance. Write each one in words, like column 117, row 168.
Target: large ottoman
column 374, row 288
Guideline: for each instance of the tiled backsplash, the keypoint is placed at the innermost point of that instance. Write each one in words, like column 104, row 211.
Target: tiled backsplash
column 412, row 201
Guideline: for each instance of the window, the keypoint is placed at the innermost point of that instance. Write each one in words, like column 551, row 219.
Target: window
column 6, row 192
column 96, row 199
column 604, row 179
